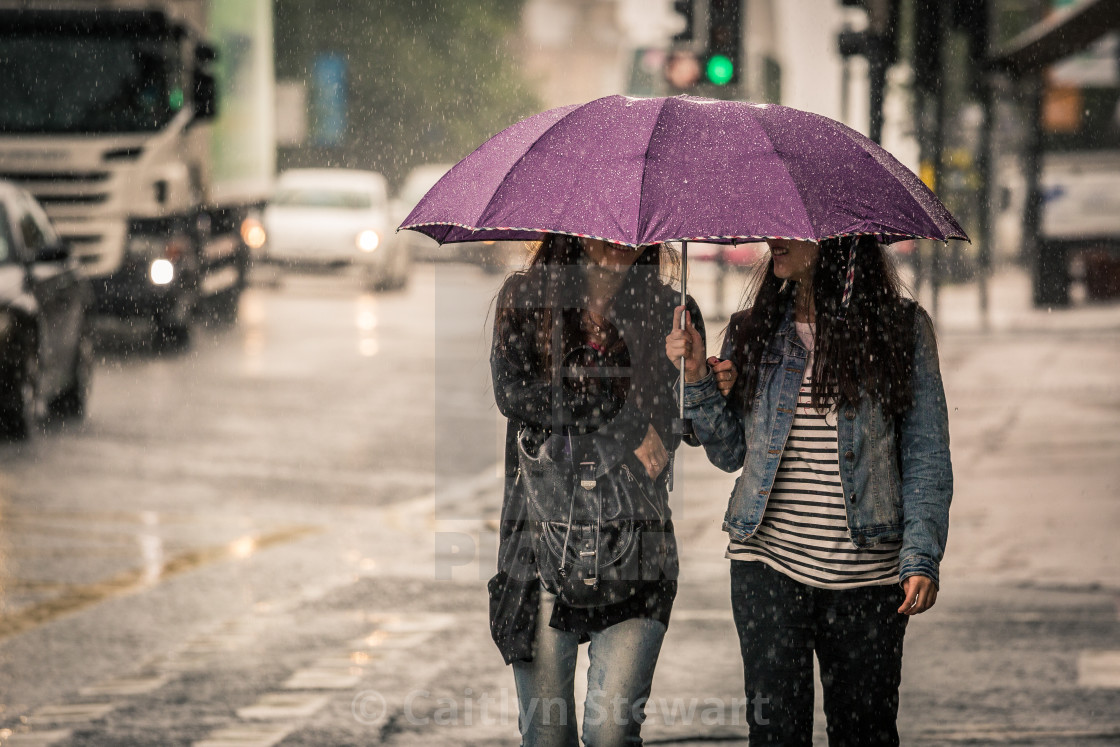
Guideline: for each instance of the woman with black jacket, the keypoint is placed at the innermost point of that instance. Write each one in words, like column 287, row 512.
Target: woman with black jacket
column 583, row 304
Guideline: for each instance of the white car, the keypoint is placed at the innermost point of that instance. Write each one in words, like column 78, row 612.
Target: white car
column 335, row 217
column 416, row 184
column 492, row 256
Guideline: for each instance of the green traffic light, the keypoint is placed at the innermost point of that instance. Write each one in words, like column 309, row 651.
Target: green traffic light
column 720, row 69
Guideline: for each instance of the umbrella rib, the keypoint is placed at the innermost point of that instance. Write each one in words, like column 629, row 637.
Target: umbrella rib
column 791, row 180
column 848, row 133
column 521, row 157
column 876, row 157
column 645, row 167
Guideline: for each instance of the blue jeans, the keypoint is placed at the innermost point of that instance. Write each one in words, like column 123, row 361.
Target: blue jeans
column 857, row 636
column 622, row 660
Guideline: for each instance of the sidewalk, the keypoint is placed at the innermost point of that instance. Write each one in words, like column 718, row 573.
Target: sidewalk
column 1023, row 646
column 390, row 643
column 1011, row 311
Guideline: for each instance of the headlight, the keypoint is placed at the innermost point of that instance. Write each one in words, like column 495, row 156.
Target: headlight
column 368, row 241
column 253, row 233
column 162, row 272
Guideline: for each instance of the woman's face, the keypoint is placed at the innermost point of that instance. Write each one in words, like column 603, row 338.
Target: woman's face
column 609, row 256
column 794, row 260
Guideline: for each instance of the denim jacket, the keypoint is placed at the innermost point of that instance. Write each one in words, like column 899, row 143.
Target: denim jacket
column 897, row 477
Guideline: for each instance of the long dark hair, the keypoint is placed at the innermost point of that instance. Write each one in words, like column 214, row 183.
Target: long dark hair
column 562, row 251
column 863, row 350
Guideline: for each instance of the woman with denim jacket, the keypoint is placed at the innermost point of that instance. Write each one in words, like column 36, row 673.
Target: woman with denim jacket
column 829, row 398
column 587, row 303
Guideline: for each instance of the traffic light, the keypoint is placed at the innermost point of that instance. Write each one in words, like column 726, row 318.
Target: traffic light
column 854, row 43
column 878, row 43
column 707, row 53
column 972, row 18
column 720, row 70
column 928, row 38
column 687, row 10
column 725, row 42
column 683, row 69
column 880, row 38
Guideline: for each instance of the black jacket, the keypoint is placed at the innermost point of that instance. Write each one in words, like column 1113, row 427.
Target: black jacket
column 523, row 388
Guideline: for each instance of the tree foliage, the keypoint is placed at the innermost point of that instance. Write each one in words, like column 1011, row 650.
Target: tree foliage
column 427, row 80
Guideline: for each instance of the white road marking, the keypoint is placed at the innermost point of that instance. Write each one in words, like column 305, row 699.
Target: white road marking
column 323, row 679
column 381, row 639
column 428, row 623
column 186, row 661
column 1099, row 669
column 126, row 686
column 202, row 650
column 1004, row 735
column 38, row 738
column 356, row 659
column 70, row 714
column 247, row 735
column 283, row 706
column 393, row 631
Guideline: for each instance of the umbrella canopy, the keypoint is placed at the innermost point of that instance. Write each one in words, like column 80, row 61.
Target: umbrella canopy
column 641, row 171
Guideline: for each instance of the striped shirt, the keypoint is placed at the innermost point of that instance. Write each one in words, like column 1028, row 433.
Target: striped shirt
column 804, row 531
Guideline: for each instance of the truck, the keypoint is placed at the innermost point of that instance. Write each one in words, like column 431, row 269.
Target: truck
column 146, row 129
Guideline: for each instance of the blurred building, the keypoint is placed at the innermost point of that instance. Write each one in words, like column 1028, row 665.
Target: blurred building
column 1001, row 106
column 574, row 50
column 785, row 52
column 389, row 86
column 1015, row 109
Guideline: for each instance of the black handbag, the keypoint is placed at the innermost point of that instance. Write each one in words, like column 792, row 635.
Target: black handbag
column 598, row 528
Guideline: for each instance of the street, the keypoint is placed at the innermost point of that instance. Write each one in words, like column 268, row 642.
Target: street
column 282, row 536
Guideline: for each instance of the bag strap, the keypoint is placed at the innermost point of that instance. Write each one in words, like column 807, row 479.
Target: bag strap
column 571, row 510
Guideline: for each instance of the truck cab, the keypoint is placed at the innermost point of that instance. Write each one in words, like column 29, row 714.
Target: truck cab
column 106, row 119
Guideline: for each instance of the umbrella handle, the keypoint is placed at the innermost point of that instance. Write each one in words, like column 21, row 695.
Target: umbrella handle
column 681, row 426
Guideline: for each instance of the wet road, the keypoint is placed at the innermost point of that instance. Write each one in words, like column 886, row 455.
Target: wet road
column 281, row 537
column 252, row 473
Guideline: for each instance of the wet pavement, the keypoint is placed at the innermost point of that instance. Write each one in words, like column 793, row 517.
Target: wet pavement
column 282, row 537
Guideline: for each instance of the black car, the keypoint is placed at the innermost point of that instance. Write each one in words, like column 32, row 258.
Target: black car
column 46, row 343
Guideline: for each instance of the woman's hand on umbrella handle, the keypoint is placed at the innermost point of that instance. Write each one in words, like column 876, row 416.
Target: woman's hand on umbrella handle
column 652, row 454
column 686, row 343
column 725, row 374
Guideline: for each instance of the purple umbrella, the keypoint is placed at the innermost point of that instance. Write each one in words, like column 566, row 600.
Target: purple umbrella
column 642, row 171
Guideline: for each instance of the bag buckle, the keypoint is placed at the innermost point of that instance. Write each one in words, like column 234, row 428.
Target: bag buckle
column 587, row 479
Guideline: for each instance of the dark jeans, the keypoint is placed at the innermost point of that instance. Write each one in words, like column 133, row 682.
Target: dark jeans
column 857, row 636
